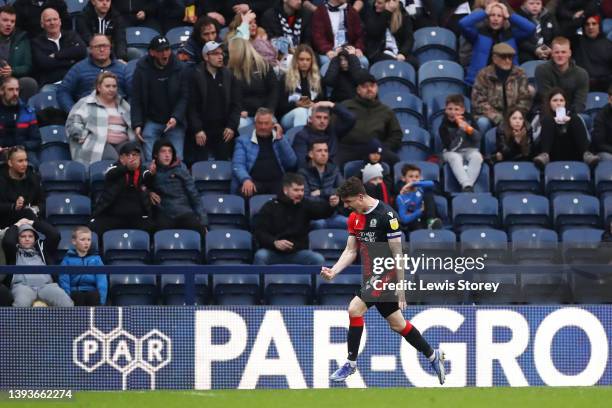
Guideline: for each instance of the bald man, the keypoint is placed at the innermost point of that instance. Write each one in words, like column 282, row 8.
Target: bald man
column 55, row 50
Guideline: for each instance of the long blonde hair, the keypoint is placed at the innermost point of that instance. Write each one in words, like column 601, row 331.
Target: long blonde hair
column 293, row 78
column 396, row 19
column 244, row 61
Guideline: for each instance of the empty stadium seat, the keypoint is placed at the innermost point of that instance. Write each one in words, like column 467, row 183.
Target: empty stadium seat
column 224, row 210
column 393, row 85
column 54, row 144
column 126, row 247
column 288, row 289
column 43, row 100
column 328, row 242
column 68, row 209
column 178, row 36
column 173, row 289
column 573, row 209
column 339, row 291
column 440, row 77
column 406, row 105
column 139, row 37
column 451, row 185
column 534, row 245
column 530, row 67
column 212, row 176
column 400, row 71
column 255, row 204
column 133, row 289
column 434, row 43
column 229, row 246
column 63, row 176
column 567, row 176
column 525, row 210
column 432, row 240
column 75, row 6
column 177, row 247
column 603, row 177
column 594, row 102
column 429, row 171
column 521, row 177
column 492, row 244
column 416, row 144
column 236, row 289
column 582, row 246
column 472, row 209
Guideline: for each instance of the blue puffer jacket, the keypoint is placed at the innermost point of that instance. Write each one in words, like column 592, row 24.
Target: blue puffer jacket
column 483, row 39
column 245, row 155
column 84, row 282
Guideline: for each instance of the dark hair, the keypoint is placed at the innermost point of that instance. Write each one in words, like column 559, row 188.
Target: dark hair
column 410, row 167
column 322, row 109
column 507, row 129
column 8, row 9
column 159, row 143
column 316, row 141
column 553, row 92
column 202, row 22
column 351, row 188
column 293, row 178
column 455, row 99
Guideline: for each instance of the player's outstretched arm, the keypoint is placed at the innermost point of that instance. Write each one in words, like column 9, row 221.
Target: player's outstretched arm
column 347, row 258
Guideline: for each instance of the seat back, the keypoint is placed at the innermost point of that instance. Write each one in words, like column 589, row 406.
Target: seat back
column 177, row 245
column 397, row 70
column 567, row 176
column 230, row 246
column 63, row 176
column 573, row 209
column 212, row 176
column 224, row 209
column 123, row 245
column 178, row 36
column 525, row 210
column 475, row 209
column 451, row 185
column 68, row 209
column 516, row 176
column 328, row 242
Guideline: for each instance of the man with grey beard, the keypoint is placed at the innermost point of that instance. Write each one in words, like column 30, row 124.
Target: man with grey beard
column 18, row 125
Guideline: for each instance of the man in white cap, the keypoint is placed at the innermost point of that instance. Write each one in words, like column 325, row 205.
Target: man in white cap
column 213, row 110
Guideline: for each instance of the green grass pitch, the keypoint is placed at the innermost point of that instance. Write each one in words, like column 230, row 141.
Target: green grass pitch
column 499, row 397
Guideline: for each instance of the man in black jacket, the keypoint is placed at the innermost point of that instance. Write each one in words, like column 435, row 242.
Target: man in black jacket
column 213, row 109
column 98, row 17
column 159, row 98
column 55, row 50
column 137, row 13
column 281, row 226
column 29, row 12
column 288, row 22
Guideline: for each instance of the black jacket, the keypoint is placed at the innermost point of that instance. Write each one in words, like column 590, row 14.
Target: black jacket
column 327, row 182
column 512, row 151
column 550, row 29
column 343, row 83
column 29, row 188
column 376, row 25
column 197, row 98
column 28, row 15
column 177, row 90
column 116, row 182
column 595, row 56
column 87, row 25
column 261, row 92
column 223, row 7
column 281, row 219
column 565, row 15
column 270, row 21
column 46, row 247
column 53, row 69
column 129, row 8
column 602, row 131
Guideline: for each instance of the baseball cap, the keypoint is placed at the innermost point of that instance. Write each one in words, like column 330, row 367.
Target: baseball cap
column 159, row 43
column 365, row 77
column 130, row 147
column 503, row 49
column 210, row 47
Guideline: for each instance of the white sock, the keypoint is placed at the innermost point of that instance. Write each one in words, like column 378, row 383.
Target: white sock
column 432, row 357
column 352, row 363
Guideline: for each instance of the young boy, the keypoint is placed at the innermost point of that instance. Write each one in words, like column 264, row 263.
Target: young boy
column 84, row 289
column 415, row 202
column 372, row 177
column 461, row 141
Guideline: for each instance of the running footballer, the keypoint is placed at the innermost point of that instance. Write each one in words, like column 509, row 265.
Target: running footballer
column 373, row 221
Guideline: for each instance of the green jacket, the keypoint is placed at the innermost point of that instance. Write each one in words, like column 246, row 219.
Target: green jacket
column 20, row 55
column 374, row 120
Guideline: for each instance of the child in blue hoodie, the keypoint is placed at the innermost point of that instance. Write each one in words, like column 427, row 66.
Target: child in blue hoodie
column 415, row 202
column 84, row 289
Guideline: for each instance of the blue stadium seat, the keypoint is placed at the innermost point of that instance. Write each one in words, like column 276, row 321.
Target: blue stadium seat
column 473, row 209
column 54, row 144
column 595, row 101
column 525, row 210
column 406, row 105
column 534, row 245
column 173, row 289
column 212, row 176
column 429, row 171
column 68, row 209
column 53, row 134
column 432, row 240
column 353, row 168
column 393, row 85
column 139, row 37
column 434, row 43
column 328, row 242
column 338, row 292
column 63, row 176
column 236, row 289
column 573, row 209
column 255, row 204
column 288, row 289
column 530, row 67
column 290, row 134
column 400, row 71
column 75, row 6
column 229, row 246
column 516, row 177
column 133, row 289
column 492, row 244
column 126, row 247
column 97, row 172
column 416, row 144
column 582, row 246
column 606, row 25
column 178, row 36
column 451, row 185
column 603, row 177
column 442, row 210
column 607, row 210
column 440, row 77
column 130, row 68
column 177, row 247
column 43, row 100
column 565, row 176
column 489, row 143
column 66, row 241
column 224, row 210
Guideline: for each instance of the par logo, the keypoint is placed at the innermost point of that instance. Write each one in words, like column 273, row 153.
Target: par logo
column 121, row 350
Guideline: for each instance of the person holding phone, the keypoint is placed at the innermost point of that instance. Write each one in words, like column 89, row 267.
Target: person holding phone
column 564, row 135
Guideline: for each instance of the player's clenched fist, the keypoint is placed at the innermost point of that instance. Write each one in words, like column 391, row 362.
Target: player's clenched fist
column 327, row 273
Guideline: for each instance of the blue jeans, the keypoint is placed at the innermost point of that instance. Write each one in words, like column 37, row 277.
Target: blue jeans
column 484, row 124
column 153, row 131
column 294, row 118
column 334, row 222
column 303, row 257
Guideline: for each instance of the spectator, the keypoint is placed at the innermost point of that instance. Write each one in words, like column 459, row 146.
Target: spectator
column 461, row 143
column 289, row 24
column 124, row 202
column 30, row 11
column 15, row 53
column 572, row 15
column 18, row 124
column 374, row 155
column 204, row 30
column 374, row 183
column 561, row 72
column 245, row 26
column 499, row 86
column 336, row 25
column 173, row 193
column 564, row 135
column 98, row 17
column 256, row 80
column 159, row 98
column 500, row 27
column 136, row 13
column 176, row 13
column 416, row 206
column 214, row 107
column 319, row 129
column 322, row 178
column 594, row 54
column 514, row 137
column 99, row 124
column 219, row 10
column 426, row 13
column 80, row 79
column 24, row 246
column 602, row 130
column 281, row 226
column 55, row 50
column 301, row 88
column 538, row 46
column 20, row 193
column 261, row 159
column 259, row 7
column 6, row 298
column 389, row 33
column 341, row 76
column 374, row 121
column 83, row 289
